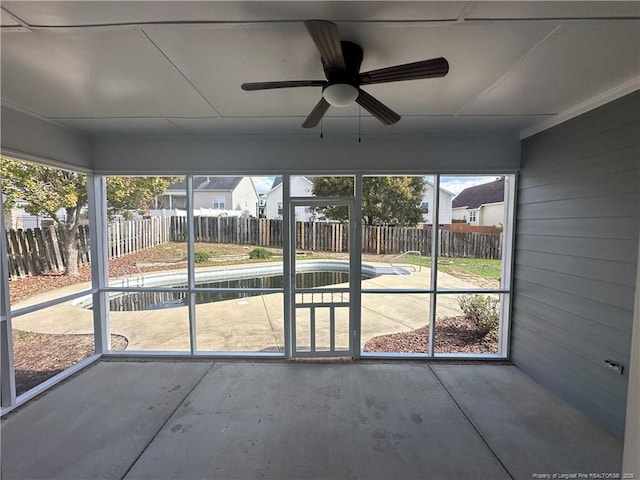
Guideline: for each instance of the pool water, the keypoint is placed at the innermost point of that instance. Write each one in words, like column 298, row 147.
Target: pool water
column 135, row 301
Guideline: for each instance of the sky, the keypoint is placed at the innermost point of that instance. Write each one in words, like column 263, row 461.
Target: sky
column 453, row 184
column 457, row 184
column 263, row 184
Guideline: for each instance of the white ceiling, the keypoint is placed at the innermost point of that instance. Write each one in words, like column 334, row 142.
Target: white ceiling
column 176, row 67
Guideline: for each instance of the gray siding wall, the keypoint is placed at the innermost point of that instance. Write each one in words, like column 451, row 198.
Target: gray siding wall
column 576, row 258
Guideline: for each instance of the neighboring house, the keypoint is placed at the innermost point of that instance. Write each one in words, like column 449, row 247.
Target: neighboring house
column 14, row 217
column 262, row 205
column 303, row 187
column 446, row 197
column 300, row 187
column 17, row 217
column 482, row 205
column 220, row 193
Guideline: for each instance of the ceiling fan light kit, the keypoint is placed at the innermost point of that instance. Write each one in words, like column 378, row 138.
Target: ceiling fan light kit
column 340, row 94
column 341, row 62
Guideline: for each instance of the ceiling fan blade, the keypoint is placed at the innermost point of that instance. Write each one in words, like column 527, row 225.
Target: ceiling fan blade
column 283, row 84
column 325, row 36
column 377, row 109
column 436, row 67
column 316, row 114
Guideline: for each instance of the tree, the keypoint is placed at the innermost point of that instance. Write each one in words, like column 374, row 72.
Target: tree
column 127, row 194
column 393, row 200
column 49, row 191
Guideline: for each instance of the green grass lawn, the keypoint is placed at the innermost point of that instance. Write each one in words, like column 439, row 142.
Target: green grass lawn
column 478, row 266
column 211, row 254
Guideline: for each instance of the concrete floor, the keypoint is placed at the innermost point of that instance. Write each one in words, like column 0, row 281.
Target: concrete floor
column 242, row 420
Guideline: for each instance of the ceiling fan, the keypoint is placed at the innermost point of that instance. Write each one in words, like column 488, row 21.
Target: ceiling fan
column 341, row 62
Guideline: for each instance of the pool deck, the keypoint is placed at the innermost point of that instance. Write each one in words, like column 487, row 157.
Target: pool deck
column 251, row 324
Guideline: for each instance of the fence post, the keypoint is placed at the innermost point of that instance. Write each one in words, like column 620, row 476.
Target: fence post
column 55, row 245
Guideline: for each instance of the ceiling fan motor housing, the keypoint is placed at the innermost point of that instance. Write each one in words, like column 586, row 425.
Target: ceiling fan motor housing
column 341, row 88
column 352, row 53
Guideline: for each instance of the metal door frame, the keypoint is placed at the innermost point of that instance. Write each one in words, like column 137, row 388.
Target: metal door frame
column 354, row 280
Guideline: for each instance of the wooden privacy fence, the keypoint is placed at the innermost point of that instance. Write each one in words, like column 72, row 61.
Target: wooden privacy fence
column 322, row 236
column 395, row 240
column 264, row 232
column 470, row 244
column 333, row 237
column 240, row 231
column 135, row 235
column 40, row 250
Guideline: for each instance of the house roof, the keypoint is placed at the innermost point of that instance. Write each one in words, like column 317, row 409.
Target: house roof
column 208, row 183
column 278, row 181
column 474, row 197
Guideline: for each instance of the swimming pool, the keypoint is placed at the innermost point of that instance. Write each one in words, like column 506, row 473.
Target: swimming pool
column 308, row 275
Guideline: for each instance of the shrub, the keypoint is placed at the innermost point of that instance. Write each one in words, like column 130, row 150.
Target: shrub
column 260, row 253
column 481, row 311
column 201, row 257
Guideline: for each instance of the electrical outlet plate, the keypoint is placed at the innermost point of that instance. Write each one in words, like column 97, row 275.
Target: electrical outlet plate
column 615, row 366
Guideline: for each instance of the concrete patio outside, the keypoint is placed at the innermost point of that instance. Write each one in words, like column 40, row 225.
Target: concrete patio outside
column 251, row 324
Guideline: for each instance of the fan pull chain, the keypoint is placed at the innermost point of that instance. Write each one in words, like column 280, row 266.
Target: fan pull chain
column 359, row 119
column 321, row 135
